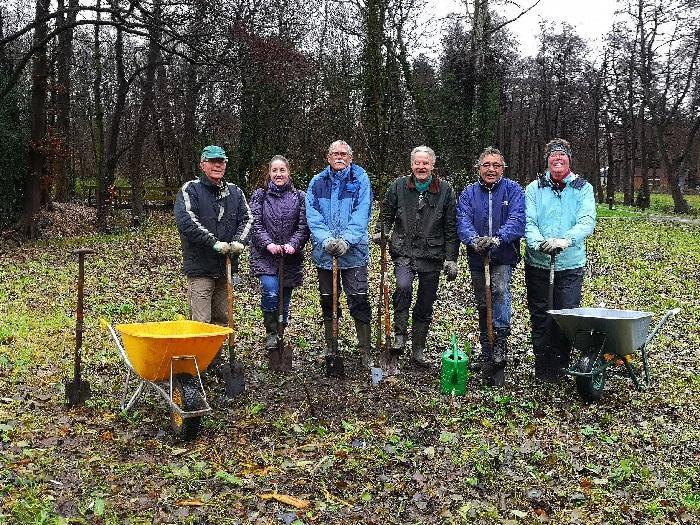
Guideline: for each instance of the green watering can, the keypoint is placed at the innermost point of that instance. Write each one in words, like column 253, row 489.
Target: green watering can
column 455, row 368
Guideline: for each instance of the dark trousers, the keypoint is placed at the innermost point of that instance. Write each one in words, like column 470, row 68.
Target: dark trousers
column 354, row 283
column 547, row 338
column 428, row 282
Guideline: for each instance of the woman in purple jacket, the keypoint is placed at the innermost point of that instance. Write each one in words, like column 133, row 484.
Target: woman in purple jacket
column 279, row 229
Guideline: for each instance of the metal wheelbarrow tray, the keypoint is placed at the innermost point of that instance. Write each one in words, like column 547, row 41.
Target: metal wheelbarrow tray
column 603, row 337
column 170, row 356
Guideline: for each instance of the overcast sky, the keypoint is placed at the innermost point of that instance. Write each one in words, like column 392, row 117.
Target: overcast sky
column 591, row 18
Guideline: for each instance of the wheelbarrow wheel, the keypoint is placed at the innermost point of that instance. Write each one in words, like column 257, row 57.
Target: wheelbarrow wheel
column 186, row 396
column 590, row 387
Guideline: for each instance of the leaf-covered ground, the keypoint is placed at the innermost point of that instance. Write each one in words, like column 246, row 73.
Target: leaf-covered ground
column 316, row 450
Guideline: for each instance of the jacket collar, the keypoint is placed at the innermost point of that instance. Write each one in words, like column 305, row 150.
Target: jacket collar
column 220, row 191
column 433, row 188
column 483, row 185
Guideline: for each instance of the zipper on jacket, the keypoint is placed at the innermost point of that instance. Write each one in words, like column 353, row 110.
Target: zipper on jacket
column 490, row 214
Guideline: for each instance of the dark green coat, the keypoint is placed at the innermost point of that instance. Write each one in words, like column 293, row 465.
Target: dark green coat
column 423, row 229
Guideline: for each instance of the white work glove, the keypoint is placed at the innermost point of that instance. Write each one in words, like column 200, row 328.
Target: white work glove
column 236, row 247
column 377, row 238
column 222, row 247
column 554, row 245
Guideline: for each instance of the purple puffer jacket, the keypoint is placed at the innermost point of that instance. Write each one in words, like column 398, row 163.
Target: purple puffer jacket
column 279, row 217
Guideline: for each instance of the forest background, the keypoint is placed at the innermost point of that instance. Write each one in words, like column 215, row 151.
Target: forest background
column 114, row 98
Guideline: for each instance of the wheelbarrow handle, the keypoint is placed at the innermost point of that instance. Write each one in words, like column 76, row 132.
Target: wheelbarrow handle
column 667, row 317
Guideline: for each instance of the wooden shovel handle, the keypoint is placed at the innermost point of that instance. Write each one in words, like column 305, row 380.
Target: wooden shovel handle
column 489, row 302
column 229, row 297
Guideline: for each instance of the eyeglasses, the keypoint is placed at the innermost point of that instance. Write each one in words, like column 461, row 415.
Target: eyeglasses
column 217, row 161
column 495, row 165
column 340, row 154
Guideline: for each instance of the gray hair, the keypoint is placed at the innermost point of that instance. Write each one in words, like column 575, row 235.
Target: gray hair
column 340, row 143
column 276, row 158
column 491, row 151
column 423, row 149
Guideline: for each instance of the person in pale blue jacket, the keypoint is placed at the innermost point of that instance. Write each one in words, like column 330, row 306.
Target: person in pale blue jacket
column 559, row 216
column 338, row 209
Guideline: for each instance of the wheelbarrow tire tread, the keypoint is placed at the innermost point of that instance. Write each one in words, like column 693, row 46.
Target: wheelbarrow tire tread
column 590, row 388
column 186, row 395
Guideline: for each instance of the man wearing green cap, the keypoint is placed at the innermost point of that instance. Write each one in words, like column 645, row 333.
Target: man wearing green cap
column 214, row 222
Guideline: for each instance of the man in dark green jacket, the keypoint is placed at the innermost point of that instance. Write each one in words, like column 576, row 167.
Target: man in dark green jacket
column 419, row 210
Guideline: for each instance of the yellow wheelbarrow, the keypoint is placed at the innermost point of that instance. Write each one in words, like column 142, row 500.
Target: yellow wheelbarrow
column 170, row 356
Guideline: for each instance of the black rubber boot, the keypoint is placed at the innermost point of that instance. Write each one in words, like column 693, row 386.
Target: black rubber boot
column 364, row 342
column 270, row 321
column 400, row 330
column 419, row 335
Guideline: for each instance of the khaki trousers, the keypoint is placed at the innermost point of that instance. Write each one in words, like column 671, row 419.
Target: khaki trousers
column 208, row 300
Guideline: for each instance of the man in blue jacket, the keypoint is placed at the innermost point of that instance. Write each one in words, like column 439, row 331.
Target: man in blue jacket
column 214, row 222
column 491, row 222
column 560, row 215
column 338, row 208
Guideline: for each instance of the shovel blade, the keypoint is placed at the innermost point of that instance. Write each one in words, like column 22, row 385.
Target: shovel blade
column 335, row 367
column 234, row 379
column 377, row 375
column 77, row 392
column 280, row 360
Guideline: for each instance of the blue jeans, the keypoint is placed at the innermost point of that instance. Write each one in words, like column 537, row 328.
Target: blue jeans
column 270, row 293
column 500, row 293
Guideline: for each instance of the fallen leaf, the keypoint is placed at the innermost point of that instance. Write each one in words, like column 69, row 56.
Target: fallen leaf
column 189, row 503
column 297, row 503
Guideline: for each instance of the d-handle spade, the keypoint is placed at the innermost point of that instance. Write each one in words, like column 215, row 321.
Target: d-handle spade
column 78, row 390
column 280, row 360
column 232, row 372
column 334, row 362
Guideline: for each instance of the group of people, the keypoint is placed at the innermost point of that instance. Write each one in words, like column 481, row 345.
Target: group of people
column 422, row 222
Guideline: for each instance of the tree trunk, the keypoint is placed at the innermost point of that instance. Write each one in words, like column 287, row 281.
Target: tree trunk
column 36, row 156
column 62, row 182
column 111, row 155
column 143, row 125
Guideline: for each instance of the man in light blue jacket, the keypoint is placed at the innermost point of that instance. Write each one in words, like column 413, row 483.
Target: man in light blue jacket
column 338, row 209
column 559, row 215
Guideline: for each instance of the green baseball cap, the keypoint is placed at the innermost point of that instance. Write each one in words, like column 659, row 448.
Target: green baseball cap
column 214, row 152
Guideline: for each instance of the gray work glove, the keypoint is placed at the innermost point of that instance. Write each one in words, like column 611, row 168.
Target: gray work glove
column 377, row 238
column 554, row 245
column 482, row 245
column 222, row 247
column 451, row 269
column 335, row 247
column 341, row 248
column 236, row 247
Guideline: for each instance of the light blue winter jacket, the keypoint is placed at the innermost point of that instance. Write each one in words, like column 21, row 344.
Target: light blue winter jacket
column 566, row 214
column 339, row 205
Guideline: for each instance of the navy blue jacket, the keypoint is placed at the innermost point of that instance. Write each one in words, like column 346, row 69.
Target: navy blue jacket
column 496, row 212
column 205, row 214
